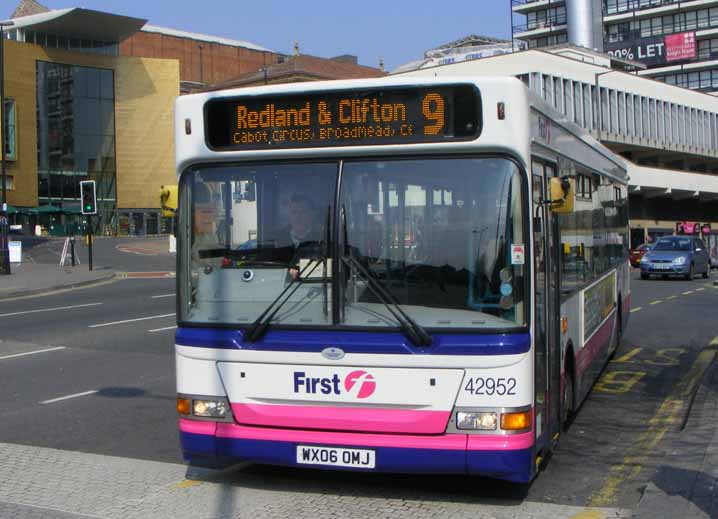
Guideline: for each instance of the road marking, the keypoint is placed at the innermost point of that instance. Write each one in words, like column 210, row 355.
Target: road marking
column 671, row 297
column 52, row 401
column 50, row 309
column 687, row 292
column 656, row 302
column 43, row 351
column 699, row 289
column 163, row 329
column 131, row 320
column 667, row 416
column 628, row 356
column 163, row 295
column 150, row 275
column 637, row 309
column 714, row 342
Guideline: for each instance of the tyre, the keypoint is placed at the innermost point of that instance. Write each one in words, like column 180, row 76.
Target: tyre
column 567, row 401
column 707, row 273
column 689, row 276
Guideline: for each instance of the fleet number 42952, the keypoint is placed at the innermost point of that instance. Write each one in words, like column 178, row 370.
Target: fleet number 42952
column 491, row 386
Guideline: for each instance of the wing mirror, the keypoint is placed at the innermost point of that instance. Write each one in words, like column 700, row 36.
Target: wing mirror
column 562, row 195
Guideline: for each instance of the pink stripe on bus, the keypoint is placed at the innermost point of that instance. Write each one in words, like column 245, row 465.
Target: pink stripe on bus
column 439, row 442
column 197, row 427
column 476, row 442
column 343, row 418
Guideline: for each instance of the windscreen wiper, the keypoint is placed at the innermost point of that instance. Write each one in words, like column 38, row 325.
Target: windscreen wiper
column 413, row 330
column 260, row 325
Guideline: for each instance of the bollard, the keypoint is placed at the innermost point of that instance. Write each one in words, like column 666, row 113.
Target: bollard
column 72, row 249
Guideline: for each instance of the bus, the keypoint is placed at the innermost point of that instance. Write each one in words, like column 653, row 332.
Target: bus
column 396, row 275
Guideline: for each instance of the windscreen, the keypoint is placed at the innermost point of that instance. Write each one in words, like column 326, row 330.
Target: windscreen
column 439, row 236
column 673, row 244
column 443, row 238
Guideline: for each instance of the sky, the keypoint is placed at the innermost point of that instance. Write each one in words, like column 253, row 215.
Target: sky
column 397, row 31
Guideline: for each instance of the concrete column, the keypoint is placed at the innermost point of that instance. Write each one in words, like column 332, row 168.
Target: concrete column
column 583, row 18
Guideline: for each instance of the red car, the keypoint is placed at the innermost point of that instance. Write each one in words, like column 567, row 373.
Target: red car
column 636, row 254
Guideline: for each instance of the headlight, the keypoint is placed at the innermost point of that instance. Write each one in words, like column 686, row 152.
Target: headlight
column 680, row 260
column 476, row 421
column 644, row 259
column 209, row 408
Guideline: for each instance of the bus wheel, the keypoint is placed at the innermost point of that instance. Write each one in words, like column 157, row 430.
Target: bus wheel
column 567, row 401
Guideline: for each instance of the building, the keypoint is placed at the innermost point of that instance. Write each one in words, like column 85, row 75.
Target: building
column 677, row 40
column 302, row 67
column 667, row 134
column 464, row 49
column 90, row 95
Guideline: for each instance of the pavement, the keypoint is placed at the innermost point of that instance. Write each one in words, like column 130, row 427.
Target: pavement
column 29, row 278
column 685, row 482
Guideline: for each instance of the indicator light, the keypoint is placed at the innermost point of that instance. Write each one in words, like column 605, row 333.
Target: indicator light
column 516, row 421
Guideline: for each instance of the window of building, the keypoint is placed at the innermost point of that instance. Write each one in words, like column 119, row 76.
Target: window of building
column 614, row 111
column 587, row 106
column 577, row 104
column 567, row 101
column 604, row 110
column 10, row 126
column 630, row 115
column 558, row 95
column 75, row 133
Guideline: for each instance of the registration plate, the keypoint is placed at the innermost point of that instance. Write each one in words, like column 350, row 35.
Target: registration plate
column 336, row 456
column 662, row 266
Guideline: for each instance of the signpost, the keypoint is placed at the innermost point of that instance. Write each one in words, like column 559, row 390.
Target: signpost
column 88, row 196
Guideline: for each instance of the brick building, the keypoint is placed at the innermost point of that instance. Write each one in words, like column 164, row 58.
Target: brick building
column 300, row 68
column 90, row 95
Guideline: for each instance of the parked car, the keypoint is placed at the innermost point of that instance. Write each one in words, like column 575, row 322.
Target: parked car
column 683, row 256
column 636, row 254
column 714, row 258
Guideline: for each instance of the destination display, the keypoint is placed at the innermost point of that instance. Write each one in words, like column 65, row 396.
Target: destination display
column 345, row 118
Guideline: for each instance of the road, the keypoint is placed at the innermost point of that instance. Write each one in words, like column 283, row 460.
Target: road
column 92, row 370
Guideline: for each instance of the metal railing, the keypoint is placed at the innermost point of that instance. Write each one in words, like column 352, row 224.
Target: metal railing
column 628, row 6
column 529, row 2
column 540, row 24
column 702, row 22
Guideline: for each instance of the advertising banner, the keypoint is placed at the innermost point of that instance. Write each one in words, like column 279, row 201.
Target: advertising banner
column 680, row 46
column 655, row 50
column 650, row 50
column 598, row 302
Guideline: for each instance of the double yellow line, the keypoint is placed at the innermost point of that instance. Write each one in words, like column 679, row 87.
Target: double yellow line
column 668, row 415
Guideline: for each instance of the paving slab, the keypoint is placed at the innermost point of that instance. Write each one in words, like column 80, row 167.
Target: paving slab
column 51, row 483
column 685, row 483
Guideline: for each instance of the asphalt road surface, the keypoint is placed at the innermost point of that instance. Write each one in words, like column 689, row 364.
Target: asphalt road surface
column 92, row 370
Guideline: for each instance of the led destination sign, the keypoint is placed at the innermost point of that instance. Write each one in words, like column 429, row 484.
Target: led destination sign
column 345, row 118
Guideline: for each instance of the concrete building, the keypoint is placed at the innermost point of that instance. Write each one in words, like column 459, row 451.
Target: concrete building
column 677, row 40
column 90, row 95
column 667, row 134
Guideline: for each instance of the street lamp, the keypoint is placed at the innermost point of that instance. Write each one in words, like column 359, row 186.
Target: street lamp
column 4, row 245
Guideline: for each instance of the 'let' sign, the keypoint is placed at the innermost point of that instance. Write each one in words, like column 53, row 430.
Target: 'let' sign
column 345, row 118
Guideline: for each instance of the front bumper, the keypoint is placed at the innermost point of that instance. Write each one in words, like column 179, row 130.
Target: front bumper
column 671, row 270
column 508, row 457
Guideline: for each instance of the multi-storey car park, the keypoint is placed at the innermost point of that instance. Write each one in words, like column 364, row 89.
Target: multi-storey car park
column 676, row 40
column 668, row 134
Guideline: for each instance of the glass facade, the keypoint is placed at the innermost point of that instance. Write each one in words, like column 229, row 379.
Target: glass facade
column 75, row 135
column 107, row 48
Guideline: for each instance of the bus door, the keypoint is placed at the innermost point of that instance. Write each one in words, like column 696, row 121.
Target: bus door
column 547, row 310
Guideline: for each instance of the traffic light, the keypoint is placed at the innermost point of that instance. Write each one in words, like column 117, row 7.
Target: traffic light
column 88, row 197
column 168, row 200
